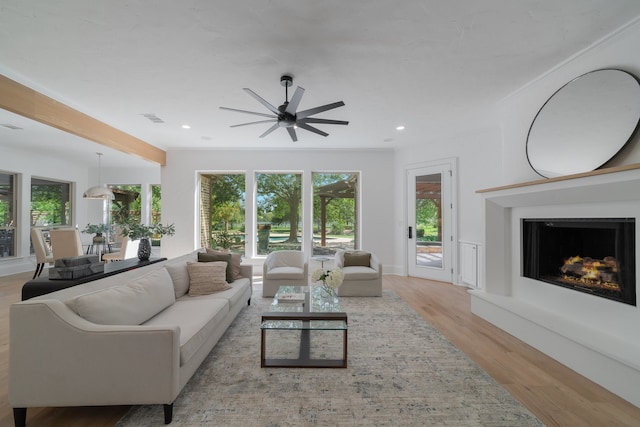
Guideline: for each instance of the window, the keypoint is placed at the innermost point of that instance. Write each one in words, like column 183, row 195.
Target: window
column 127, row 205
column 222, row 211
column 278, row 206
column 335, row 208
column 50, row 203
column 7, row 215
column 156, row 203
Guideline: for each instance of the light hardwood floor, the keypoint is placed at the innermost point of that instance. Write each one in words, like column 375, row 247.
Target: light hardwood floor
column 554, row 393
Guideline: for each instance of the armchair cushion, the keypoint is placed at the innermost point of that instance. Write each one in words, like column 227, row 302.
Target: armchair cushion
column 360, row 273
column 286, row 273
column 359, row 259
column 130, row 304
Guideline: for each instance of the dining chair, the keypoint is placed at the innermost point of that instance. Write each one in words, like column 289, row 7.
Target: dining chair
column 65, row 243
column 40, row 248
column 128, row 249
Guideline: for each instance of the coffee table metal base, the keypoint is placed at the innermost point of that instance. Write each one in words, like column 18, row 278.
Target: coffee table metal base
column 304, row 360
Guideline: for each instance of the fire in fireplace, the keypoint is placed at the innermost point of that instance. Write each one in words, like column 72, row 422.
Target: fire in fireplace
column 593, row 255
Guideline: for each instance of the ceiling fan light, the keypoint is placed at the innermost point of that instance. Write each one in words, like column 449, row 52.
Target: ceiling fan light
column 99, row 192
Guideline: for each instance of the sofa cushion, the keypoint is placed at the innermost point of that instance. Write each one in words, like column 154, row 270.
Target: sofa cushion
column 129, row 304
column 360, row 273
column 197, row 319
column 207, row 257
column 235, row 295
column 361, row 259
column 180, row 277
column 207, row 277
column 286, row 273
column 236, row 260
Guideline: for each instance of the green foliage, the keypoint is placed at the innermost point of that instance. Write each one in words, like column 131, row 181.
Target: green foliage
column 137, row 231
column 50, row 203
column 337, row 228
column 340, row 212
column 278, row 200
column 223, row 239
column 97, row 228
column 426, row 212
column 122, row 212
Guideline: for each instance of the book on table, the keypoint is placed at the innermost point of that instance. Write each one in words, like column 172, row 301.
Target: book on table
column 292, row 297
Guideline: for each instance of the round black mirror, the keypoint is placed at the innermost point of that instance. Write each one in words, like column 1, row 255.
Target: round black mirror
column 585, row 123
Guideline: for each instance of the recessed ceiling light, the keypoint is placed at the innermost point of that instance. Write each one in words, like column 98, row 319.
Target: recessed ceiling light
column 186, row 127
column 399, row 127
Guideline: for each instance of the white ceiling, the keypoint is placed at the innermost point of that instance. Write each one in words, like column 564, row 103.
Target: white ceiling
column 410, row 62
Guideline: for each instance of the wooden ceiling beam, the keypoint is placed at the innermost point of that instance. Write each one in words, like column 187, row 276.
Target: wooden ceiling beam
column 20, row 99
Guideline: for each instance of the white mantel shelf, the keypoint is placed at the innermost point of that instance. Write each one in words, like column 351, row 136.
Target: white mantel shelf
column 573, row 329
column 596, row 172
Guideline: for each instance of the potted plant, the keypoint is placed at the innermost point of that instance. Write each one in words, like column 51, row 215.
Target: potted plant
column 137, row 231
column 98, row 230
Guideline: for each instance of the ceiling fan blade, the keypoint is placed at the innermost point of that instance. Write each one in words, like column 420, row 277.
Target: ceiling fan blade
column 292, row 134
column 295, row 101
column 253, row 123
column 324, row 121
column 248, row 112
column 316, row 110
column 271, row 129
column 311, row 129
column 270, row 107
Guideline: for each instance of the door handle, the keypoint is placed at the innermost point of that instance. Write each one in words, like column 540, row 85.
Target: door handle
column 410, row 232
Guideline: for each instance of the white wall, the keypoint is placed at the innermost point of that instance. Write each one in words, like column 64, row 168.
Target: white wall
column 594, row 336
column 478, row 149
column 28, row 165
column 180, row 189
column 518, row 110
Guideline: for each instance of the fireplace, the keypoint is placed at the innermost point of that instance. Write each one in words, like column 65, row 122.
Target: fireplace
column 592, row 255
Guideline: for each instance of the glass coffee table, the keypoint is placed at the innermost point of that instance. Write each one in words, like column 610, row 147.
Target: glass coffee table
column 305, row 309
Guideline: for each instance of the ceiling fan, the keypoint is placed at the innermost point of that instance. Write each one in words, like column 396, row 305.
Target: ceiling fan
column 286, row 116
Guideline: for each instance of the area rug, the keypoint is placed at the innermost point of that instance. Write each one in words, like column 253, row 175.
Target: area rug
column 402, row 372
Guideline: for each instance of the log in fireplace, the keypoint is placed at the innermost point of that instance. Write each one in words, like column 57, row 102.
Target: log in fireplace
column 592, row 255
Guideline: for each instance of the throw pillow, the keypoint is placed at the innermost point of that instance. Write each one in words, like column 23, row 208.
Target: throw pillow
column 236, row 260
column 207, row 277
column 180, row 277
column 352, row 259
column 130, row 304
column 205, row 257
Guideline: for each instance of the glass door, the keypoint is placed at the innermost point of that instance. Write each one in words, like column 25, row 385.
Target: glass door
column 429, row 237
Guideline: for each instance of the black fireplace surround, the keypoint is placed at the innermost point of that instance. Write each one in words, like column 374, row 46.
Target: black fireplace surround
column 592, row 255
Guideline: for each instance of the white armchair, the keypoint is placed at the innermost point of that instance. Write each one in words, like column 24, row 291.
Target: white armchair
column 362, row 274
column 283, row 268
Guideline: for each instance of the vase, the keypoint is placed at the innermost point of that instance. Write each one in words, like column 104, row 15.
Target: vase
column 328, row 291
column 144, row 249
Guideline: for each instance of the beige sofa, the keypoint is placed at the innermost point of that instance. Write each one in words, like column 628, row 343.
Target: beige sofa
column 129, row 339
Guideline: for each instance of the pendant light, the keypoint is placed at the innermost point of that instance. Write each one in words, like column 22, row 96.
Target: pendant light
column 100, row 191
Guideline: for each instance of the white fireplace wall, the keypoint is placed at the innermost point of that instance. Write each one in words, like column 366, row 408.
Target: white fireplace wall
column 596, row 337
column 607, row 316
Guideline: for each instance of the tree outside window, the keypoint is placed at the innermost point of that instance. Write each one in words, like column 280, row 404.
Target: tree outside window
column 50, row 203
column 335, row 213
column 278, row 203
